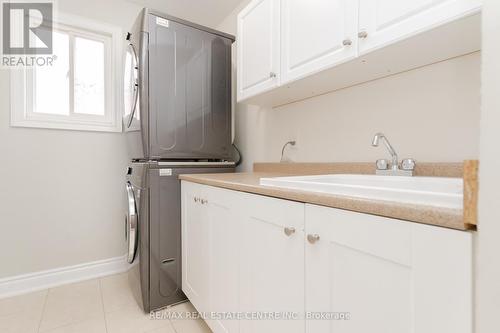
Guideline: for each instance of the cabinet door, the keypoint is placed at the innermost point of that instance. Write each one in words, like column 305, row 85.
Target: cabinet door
column 387, row 21
column 272, row 264
column 195, row 228
column 316, row 35
column 389, row 276
column 223, row 256
column 258, row 47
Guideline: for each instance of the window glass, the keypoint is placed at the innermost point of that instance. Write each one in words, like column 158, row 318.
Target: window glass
column 76, row 90
column 89, row 77
column 51, row 83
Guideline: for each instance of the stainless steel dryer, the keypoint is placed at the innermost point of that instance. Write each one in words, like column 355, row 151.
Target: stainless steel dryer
column 177, row 90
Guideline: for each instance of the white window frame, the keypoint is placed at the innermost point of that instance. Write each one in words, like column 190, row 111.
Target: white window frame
column 22, row 82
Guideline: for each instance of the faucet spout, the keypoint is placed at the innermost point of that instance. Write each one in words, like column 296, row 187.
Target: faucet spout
column 390, row 148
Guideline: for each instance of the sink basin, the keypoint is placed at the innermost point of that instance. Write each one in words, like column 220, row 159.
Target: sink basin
column 432, row 191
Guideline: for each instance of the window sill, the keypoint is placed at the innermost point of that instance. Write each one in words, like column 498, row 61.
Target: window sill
column 70, row 125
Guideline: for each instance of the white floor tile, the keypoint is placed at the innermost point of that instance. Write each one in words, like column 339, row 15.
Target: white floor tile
column 22, row 314
column 185, row 322
column 133, row 320
column 190, row 326
column 96, row 325
column 80, row 308
column 165, row 329
column 72, row 303
column 24, row 322
column 23, row 303
column 116, row 292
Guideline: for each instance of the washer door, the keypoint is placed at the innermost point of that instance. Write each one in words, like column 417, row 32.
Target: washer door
column 132, row 223
column 131, row 90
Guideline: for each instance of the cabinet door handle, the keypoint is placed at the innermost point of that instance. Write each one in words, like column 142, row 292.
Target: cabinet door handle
column 312, row 238
column 289, row 231
column 347, row 42
column 203, row 201
column 272, row 75
column 362, row 34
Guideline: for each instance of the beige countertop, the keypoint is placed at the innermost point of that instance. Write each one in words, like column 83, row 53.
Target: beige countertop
column 249, row 182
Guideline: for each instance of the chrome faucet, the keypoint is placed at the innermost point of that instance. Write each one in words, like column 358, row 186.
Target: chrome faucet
column 390, row 148
column 407, row 165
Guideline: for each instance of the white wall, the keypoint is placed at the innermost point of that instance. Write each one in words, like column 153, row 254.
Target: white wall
column 61, row 197
column 488, row 236
column 431, row 114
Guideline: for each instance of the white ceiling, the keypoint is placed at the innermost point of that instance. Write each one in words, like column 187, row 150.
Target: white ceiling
column 206, row 12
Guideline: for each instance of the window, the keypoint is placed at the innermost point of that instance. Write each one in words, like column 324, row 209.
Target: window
column 81, row 90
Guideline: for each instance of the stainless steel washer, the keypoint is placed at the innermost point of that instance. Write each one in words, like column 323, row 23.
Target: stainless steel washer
column 153, row 228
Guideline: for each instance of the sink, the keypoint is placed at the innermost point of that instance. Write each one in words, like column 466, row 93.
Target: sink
column 432, row 191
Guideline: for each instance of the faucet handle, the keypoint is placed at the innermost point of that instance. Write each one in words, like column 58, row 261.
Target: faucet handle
column 382, row 164
column 408, row 164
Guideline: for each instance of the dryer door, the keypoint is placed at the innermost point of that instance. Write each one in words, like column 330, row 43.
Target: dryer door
column 132, row 223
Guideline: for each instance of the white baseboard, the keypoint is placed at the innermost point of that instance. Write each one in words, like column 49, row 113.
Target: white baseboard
column 26, row 283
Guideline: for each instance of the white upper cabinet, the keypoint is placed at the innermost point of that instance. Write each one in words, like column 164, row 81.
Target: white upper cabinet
column 384, row 22
column 258, row 46
column 289, row 50
column 316, row 35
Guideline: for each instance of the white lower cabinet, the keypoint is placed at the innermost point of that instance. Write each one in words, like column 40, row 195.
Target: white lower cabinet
column 272, row 264
column 210, row 253
column 223, row 258
column 195, row 227
column 390, row 276
column 262, row 257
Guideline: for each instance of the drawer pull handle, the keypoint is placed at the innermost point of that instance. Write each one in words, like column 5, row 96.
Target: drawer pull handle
column 289, row 231
column 313, row 238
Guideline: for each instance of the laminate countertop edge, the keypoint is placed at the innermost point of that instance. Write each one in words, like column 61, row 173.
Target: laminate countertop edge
column 249, row 183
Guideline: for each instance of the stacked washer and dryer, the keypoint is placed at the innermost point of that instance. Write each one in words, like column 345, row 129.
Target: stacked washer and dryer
column 177, row 121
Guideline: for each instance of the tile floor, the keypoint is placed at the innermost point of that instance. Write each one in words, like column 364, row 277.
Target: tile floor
column 104, row 305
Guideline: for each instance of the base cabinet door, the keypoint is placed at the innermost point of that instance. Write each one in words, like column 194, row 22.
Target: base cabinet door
column 223, row 257
column 316, row 35
column 378, row 275
column 272, row 265
column 195, row 245
column 384, row 22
